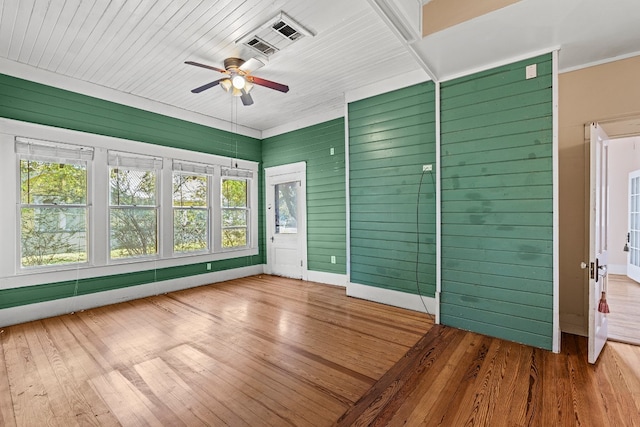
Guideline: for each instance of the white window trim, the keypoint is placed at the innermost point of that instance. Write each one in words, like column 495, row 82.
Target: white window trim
column 99, row 265
column 55, row 152
column 136, row 163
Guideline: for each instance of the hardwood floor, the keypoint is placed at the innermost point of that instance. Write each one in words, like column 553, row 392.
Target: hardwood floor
column 458, row 378
column 256, row 351
column 273, row 351
column 623, row 297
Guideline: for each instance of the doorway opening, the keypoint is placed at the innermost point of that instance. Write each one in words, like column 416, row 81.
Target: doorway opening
column 623, row 237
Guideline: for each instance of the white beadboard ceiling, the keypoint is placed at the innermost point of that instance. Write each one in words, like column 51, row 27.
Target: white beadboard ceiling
column 138, row 48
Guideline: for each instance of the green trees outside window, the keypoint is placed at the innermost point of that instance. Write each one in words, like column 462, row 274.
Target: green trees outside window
column 190, row 213
column 53, row 213
column 133, row 213
column 234, row 213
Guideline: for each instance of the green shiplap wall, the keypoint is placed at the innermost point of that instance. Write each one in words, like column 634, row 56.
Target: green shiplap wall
column 391, row 137
column 497, row 203
column 37, row 103
column 326, row 202
column 16, row 297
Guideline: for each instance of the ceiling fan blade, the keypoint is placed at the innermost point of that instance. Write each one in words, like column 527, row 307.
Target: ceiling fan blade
column 207, row 86
column 208, row 67
column 269, row 84
column 246, row 98
column 251, row 65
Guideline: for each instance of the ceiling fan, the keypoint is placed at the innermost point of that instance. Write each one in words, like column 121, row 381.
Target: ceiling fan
column 239, row 80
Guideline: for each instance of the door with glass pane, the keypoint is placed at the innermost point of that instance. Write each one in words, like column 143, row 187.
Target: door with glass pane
column 286, row 220
column 633, row 262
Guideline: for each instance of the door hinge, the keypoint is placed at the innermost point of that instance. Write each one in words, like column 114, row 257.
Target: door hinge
column 300, row 263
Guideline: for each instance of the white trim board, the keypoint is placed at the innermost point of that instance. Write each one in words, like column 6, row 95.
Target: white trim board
column 327, row 278
column 555, row 345
column 391, row 297
column 438, row 293
column 21, row 314
column 347, row 192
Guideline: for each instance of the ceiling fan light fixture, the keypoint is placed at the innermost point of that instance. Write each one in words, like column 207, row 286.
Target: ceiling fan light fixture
column 238, row 81
column 226, row 84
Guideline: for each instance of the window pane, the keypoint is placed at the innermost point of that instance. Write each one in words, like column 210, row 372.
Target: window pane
column 189, row 190
column 234, row 237
column 190, row 230
column 52, row 236
column 234, row 218
column 133, row 232
column 234, row 193
column 132, row 187
column 52, row 183
column 286, row 201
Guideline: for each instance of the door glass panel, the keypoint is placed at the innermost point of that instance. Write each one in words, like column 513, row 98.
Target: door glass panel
column 286, row 195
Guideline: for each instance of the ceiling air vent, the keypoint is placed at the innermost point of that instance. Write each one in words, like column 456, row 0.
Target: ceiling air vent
column 261, row 46
column 274, row 34
column 287, row 30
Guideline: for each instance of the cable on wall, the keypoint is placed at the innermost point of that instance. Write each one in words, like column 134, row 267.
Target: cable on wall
column 418, row 238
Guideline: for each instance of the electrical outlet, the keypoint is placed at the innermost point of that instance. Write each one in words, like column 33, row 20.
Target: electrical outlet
column 332, row 151
column 333, row 259
column 427, row 168
column 208, row 266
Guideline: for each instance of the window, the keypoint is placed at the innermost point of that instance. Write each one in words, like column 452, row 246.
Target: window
column 235, row 212
column 190, row 213
column 133, row 207
column 84, row 206
column 53, row 203
column 285, row 203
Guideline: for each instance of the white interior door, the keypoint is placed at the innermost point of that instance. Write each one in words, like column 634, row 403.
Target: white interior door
column 633, row 238
column 598, row 237
column 286, row 220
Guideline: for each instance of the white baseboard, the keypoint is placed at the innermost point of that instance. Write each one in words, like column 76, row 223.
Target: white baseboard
column 327, row 278
column 390, row 297
column 27, row 313
column 617, row 269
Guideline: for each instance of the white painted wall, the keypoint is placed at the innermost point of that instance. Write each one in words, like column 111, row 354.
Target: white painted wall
column 624, row 157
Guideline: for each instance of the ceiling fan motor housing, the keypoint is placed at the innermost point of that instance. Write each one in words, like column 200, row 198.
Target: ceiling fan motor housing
column 233, row 64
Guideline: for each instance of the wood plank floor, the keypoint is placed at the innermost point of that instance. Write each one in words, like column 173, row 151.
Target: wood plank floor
column 623, row 297
column 273, row 351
